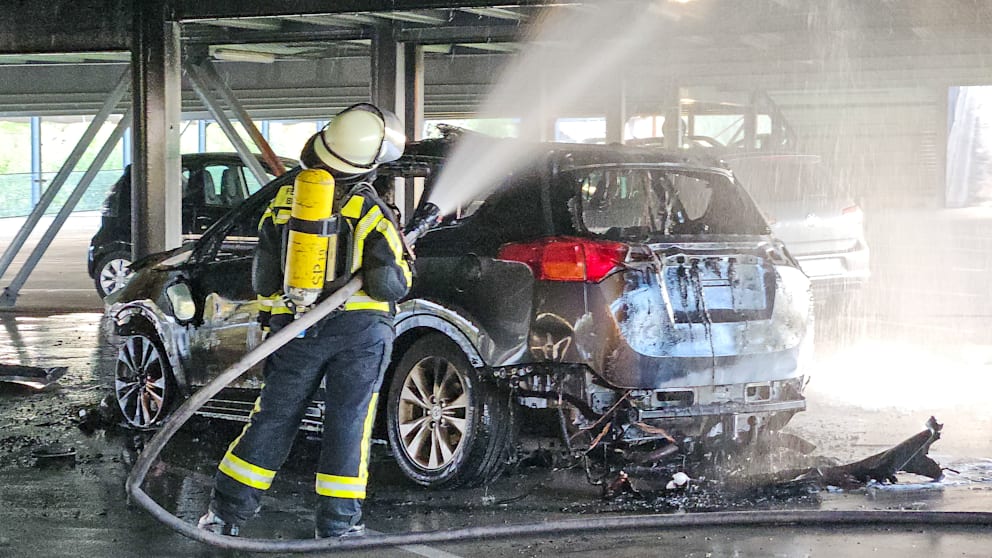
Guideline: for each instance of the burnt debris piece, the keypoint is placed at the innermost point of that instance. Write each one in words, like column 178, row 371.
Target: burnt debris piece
column 910, row 456
column 718, row 484
column 32, row 376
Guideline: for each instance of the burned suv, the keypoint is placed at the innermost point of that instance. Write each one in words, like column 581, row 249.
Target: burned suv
column 622, row 298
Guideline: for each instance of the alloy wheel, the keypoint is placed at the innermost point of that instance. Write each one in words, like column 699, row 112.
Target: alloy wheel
column 114, row 275
column 432, row 415
column 141, row 385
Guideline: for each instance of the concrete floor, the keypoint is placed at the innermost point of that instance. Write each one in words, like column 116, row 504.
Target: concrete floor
column 870, row 391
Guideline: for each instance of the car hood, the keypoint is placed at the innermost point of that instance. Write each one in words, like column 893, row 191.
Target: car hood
column 169, row 258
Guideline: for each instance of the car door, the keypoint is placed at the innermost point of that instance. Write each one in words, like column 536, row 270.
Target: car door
column 222, row 286
column 216, row 188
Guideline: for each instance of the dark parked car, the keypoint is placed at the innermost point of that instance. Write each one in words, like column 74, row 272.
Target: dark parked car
column 213, row 183
column 616, row 297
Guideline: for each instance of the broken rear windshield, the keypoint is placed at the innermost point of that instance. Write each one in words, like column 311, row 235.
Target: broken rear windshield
column 648, row 203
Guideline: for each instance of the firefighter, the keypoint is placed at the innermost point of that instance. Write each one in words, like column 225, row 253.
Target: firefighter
column 341, row 228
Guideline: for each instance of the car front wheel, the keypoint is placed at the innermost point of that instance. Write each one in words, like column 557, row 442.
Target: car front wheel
column 144, row 385
column 113, row 271
column 447, row 428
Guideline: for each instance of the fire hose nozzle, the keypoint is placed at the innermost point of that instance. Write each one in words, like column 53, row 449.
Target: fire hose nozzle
column 427, row 216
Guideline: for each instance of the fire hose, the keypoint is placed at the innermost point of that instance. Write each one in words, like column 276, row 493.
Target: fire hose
column 422, row 221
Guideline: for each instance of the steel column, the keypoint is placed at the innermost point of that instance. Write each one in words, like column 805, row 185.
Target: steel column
column 126, row 150
column 70, row 163
column 209, row 74
column 156, row 197
column 36, row 179
column 9, row 296
column 413, row 104
column 202, row 89
column 201, row 135
column 616, row 110
column 387, row 74
column 674, row 128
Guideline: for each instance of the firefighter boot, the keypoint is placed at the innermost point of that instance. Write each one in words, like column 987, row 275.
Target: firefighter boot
column 213, row 523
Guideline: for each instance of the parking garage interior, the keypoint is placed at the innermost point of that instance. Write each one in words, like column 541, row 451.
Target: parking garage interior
column 890, row 99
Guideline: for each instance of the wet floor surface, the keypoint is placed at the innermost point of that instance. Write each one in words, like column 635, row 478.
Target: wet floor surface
column 72, row 502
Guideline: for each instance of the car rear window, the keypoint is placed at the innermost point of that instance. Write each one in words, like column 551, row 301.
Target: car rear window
column 649, row 203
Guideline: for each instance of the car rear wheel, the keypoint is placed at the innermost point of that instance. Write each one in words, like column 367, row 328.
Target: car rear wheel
column 144, row 385
column 113, row 271
column 447, row 428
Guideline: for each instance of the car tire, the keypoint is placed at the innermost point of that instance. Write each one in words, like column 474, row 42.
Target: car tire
column 113, row 271
column 447, row 427
column 144, row 386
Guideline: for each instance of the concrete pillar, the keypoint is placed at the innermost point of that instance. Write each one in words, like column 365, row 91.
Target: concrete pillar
column 156, row 195
column 616, row 110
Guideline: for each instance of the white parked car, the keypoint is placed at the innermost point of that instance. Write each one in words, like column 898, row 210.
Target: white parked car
column 820, row 224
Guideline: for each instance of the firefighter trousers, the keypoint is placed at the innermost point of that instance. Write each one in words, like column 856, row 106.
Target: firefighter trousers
column 349, row 351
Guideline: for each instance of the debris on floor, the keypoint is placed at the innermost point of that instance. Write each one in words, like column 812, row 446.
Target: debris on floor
column 620, row 485
column 34, row 377
column 679, row 480
column 105, row 415
column 54, row 453
column 910, row 456
column 738, row 479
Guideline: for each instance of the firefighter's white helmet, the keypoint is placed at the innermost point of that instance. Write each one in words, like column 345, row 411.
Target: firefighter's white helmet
column 356, row 141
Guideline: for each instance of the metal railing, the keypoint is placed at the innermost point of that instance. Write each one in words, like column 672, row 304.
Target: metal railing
column 15, row 192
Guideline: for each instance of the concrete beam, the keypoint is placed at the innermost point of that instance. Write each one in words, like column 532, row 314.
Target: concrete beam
column 65, row 26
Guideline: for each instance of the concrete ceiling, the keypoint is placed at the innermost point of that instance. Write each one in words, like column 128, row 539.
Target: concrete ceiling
column 724, row 44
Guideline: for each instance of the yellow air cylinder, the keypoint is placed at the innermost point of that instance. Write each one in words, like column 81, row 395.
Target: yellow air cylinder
column 311, row 248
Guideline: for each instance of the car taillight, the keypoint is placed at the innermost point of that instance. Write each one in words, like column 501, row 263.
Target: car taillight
column 567, row 258
column 853, row 213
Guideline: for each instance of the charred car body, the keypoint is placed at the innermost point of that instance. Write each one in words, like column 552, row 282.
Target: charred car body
column 627, row 297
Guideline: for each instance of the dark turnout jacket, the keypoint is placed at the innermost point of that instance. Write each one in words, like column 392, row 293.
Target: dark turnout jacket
column 368, row 242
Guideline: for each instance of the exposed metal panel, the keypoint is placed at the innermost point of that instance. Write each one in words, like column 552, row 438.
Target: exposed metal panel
column 65, row 26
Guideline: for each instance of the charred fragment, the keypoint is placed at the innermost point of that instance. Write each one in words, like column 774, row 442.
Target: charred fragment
column 34, row 377
column 910, row 456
